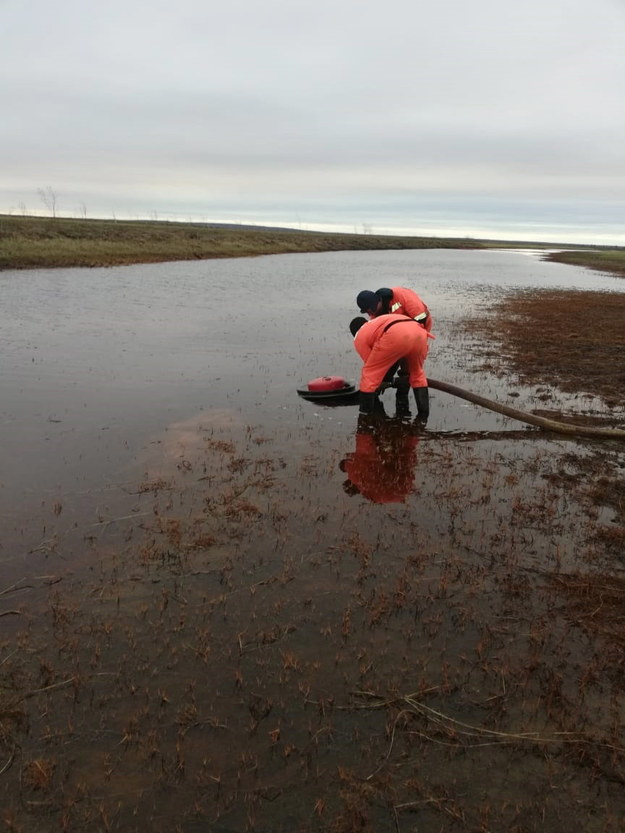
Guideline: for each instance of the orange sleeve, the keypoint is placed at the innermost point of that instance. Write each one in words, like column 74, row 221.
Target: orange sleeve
column 411, row 304
column 363, row 348
column 369, row 333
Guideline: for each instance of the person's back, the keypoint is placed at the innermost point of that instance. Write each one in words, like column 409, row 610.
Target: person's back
column 383, row 341
column 397, row 300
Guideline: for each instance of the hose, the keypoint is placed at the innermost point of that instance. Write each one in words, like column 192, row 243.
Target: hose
column 530, row 419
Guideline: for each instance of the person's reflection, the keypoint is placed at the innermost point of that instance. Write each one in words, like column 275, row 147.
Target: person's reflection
column 382, row 468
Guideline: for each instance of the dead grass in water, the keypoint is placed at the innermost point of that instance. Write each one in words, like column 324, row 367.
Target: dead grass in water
column 574, row 341
column 568, row 339
column 248, row 648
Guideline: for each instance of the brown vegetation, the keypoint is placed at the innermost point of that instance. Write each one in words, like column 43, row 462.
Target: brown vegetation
column 572, row 340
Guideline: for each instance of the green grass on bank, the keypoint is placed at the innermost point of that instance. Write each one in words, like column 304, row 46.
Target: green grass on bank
column 603, row 260
column 46, row 242
column 34, row 242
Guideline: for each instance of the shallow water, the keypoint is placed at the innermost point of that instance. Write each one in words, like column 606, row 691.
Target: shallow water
column 203, row 600
column 97, row 363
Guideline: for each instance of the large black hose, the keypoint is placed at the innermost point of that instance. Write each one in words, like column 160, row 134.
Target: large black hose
column 530, row 419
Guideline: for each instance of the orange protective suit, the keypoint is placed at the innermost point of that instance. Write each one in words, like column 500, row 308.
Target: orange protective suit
column 402, row 301
column 384, row 340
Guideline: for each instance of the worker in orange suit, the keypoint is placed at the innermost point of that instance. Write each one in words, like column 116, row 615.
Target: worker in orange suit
column 382, row 467
column 381, row 343
column 398, row 300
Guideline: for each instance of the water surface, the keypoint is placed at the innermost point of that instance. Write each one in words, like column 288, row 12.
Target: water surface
column 218, row 628
column 97, row 363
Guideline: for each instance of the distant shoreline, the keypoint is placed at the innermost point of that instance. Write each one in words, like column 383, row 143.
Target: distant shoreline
column 54, row 242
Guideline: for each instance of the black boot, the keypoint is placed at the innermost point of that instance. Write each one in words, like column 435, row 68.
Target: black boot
column 422, row 398
column 402, row 383
column 366, row 402
column 402, row 405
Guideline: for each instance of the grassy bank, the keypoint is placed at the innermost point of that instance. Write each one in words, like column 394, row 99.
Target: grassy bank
column 603, row 260
column 45, row 242
column 34, row 242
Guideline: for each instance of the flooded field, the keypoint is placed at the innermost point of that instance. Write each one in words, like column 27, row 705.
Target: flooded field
column 224, row 608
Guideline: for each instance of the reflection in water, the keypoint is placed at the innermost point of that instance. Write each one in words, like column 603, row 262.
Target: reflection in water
column 382, row 467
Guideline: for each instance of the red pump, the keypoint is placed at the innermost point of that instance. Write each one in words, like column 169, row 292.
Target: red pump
column 330, row 389
column 326, row 383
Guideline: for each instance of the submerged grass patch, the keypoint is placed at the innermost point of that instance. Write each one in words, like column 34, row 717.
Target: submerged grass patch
column 242, row 651
column 574, row 340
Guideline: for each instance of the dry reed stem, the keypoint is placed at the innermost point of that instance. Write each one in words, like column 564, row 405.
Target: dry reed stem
column 458, row 727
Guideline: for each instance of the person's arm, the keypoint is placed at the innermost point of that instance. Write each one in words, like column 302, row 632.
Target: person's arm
column 363, row 348
column 412, row 305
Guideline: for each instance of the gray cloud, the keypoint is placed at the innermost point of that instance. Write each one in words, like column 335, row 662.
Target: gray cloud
column 344, row 106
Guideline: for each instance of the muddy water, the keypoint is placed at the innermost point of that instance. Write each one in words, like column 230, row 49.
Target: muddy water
column 209, row 624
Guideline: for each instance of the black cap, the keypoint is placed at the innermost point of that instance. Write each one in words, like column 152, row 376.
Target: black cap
column 367, row 301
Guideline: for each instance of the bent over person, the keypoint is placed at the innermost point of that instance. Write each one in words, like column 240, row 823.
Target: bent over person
column 380, row 343
column 398, row 301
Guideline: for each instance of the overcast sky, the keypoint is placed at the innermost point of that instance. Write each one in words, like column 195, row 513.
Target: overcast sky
column 489, row 118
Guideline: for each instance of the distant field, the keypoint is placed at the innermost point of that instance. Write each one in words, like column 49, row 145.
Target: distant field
column 46, row 242
column 34, row 242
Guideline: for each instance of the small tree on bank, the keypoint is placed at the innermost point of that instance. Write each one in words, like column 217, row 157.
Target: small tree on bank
column 49, row 198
